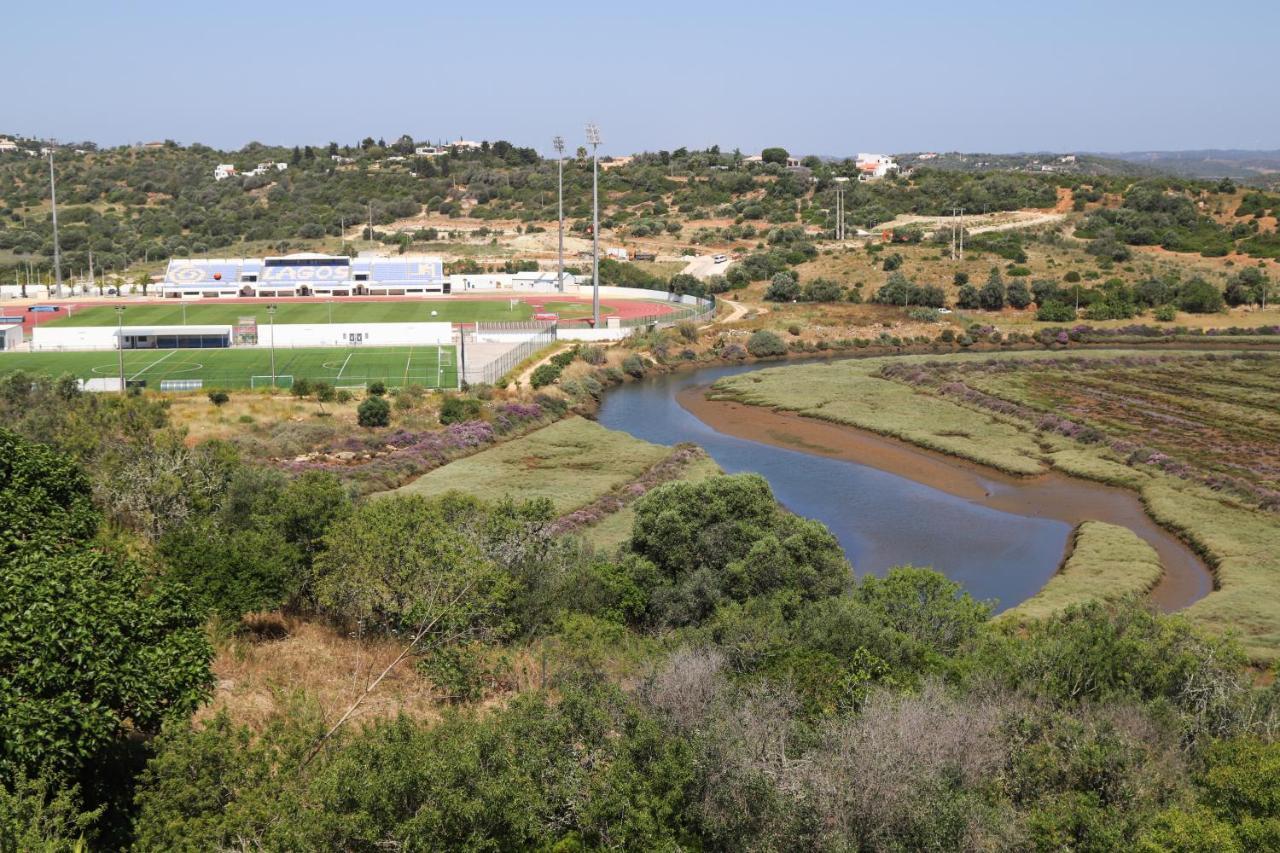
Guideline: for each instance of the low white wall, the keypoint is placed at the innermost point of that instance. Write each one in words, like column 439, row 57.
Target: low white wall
column 364, row 334
column 72, row 337
column 574, row 333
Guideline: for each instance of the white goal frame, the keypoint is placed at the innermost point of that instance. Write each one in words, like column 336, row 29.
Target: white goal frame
column 267, row 381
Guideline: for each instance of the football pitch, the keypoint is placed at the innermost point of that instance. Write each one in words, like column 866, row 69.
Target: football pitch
column 429, row 366
column 226, row 314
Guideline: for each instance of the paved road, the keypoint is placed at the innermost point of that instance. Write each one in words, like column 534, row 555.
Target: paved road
column 704, row 267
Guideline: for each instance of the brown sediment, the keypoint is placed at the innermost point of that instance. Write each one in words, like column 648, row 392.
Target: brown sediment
column 1051, row 495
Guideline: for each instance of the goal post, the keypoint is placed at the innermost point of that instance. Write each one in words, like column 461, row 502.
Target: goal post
column 282, row 380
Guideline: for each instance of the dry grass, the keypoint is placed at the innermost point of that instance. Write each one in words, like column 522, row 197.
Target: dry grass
column 256, row 674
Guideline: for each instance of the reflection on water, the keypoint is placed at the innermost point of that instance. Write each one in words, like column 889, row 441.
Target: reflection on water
column 881, row 519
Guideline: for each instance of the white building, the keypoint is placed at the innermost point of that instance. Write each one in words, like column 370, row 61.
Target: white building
column 7, row 144
column 222, row 171
column 875, row 166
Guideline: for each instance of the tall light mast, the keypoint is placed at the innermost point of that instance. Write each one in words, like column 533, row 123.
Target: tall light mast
column 593, row 137
column 53, row 203
column 558, row 144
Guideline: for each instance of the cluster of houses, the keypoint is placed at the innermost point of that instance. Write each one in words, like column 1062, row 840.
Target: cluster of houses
column 226, row 170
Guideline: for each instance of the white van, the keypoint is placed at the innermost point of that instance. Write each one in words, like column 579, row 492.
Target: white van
column 719, row 259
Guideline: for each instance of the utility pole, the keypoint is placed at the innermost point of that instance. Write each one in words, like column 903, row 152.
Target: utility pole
column 593, row 137
column 558, row 143
column 92, row 281
column 840, row 229
column 120, row 343
column 53, row 203
column 271, row 313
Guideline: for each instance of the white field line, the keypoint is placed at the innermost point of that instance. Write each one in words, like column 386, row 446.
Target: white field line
column 152, row 364
column 344, row 366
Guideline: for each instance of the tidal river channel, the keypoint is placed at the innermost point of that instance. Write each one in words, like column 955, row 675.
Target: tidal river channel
column 892, row 504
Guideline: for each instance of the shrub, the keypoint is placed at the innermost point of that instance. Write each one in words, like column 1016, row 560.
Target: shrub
column 1071, row 277
column 1055, row 312
column 374, row 412
column 456, row 409
column 765, row 343
column 545, row 374
column 688, row 330
column 301, row 387
column 793, row 330
column 967, row 298
column 1166, row 313
column 1018, row 295
column 782, row 288
column 823, row 290
column 633, row 365
column 593, row 355
column 377, row 389
column 219, row 398
column 564, row 359
column 342, row 395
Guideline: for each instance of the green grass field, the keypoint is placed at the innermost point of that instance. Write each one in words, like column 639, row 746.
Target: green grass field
column 571, row 462
column 227, row 313
column 429, row 366
column 1107, row 563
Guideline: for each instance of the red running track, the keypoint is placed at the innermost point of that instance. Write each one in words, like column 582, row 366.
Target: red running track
column 626, row 309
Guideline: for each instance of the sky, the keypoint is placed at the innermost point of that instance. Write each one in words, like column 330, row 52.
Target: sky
column 829, row 78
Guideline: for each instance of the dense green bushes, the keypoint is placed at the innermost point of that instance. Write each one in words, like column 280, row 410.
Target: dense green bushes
column 764, row 343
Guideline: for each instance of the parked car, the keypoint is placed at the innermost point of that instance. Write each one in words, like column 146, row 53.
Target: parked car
column 719, row 259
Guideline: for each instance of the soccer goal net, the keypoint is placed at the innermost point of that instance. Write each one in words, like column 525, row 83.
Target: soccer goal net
column 283, row 380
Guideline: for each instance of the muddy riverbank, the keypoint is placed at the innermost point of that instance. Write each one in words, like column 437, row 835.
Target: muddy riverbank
column 1050, row 496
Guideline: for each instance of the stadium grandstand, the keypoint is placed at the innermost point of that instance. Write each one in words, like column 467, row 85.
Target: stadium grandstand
column 304, row 274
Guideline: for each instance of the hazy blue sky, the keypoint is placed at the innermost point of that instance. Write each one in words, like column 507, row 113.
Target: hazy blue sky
column 828, row 77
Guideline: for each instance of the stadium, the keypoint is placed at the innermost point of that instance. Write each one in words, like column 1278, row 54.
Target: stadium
column 252, row 322
column 304, row 274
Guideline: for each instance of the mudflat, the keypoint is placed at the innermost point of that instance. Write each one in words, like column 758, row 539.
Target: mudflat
column 1051, row 495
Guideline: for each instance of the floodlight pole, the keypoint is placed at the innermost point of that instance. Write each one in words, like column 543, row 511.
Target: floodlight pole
column 120, row 343
column 53, row 204
column 840, row 230
column 558, row 143
column 271, row 313
column 593, row 136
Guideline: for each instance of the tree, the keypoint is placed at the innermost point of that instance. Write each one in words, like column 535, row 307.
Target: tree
column 992, row 295
column 1018, row 295
column 782, row 288
column 967, row 298
column 1247, row 287
column 373, row 412
column 775, row 155
column 46, row 497
column 91, row 650
column 1198, row 296
column 402, row 563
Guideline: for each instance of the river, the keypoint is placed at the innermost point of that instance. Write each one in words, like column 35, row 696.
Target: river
column 891, row 504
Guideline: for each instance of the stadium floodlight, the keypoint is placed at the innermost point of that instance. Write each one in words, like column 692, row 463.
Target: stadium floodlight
column 53, row 204
column 271, row 313
column 840, row 182
column 557, row 142
column 593, row 137
column 120, row 342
